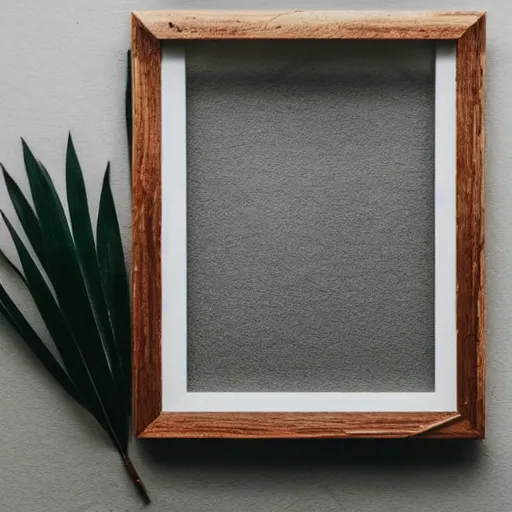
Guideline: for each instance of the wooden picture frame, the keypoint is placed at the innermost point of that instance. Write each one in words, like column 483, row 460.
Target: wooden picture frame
column 467, row 30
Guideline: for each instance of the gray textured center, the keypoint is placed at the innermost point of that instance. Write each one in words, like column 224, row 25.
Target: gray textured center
column 310, row 216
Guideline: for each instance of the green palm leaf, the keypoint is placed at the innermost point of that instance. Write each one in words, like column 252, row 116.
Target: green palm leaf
column 14, row 316
column 26, row 215
column 12, row 266
column 113, row 271
column 68, row 283
column 81, row 291
column 57, row 326
column 86, row 250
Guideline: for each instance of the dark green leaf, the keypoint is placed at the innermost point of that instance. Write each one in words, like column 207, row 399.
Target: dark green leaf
column 66, row 277
column 12, row 314
column 34, row 342
column 12, row 266
column 128, row 106
column 5, row 313
column 71, row 312
column 52, row 316
column 59, row 330
column 86, row 250
column 113, row 270
column 26, row 215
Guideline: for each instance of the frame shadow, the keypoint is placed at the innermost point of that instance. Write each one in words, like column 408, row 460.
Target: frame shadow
column 359, row 454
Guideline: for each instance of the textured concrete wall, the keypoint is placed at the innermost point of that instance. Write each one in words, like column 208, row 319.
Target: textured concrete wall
column 296, row 236
column 62, row 68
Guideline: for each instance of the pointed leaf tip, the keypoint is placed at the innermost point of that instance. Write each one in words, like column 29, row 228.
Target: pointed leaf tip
column 7, row 177
column 113, row 270
column 26, row 215
column 28, row 156
column 4, row 171
column 24, row 144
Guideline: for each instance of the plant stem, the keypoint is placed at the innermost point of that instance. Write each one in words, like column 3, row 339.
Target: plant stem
column 130, row 468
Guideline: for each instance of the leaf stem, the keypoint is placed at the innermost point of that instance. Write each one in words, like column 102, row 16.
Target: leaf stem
column 132, row 472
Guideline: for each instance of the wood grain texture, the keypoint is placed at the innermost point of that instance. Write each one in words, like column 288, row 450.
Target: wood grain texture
column 297, row 425
column 457, row 429
column 471, row 226
column 307, row 24
column 146, row 218
column 469, row 420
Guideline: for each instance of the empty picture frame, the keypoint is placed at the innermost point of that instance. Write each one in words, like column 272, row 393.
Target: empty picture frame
column 162, row 404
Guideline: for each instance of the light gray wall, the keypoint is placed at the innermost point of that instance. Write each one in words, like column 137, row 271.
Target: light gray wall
column 61, row 68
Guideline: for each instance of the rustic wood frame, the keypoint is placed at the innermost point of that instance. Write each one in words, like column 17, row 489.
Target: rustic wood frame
column 148, row 30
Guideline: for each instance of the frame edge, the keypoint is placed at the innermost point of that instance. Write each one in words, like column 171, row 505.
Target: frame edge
column 307, row 24
column 146, row 228
column 258, row 425
column 149, row 420
column 471, row 228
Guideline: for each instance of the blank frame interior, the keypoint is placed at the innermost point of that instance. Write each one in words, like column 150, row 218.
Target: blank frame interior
column 264, row 308
column 310, row 216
